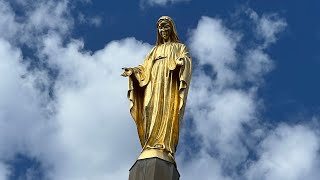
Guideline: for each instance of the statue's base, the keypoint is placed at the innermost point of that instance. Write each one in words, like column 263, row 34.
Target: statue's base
column 153, row 169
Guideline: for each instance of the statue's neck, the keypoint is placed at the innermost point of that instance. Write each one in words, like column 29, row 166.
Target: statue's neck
column 166, row 40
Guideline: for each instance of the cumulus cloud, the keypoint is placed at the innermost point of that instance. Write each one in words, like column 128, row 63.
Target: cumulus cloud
column 68, row 120
column 204, row 166
column 222, row 105
column 24, row 126
column 218, row 108
column 288, row 153
column 92, row 129
column 26, row 28
column 212, row 44
column 20, row 102
column 9, row 26
column 76, row 123
column 56, row 11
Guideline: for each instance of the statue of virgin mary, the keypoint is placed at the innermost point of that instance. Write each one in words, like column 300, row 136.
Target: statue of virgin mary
column 158, row 91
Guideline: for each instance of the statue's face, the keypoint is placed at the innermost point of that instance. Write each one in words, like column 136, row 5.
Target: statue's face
column 165, row 29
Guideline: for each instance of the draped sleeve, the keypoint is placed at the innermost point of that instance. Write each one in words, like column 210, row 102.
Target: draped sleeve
column 137, row 82
column 185, row 72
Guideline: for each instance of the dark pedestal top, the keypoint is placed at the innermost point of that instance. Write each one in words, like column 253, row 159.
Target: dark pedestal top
column 153, row 169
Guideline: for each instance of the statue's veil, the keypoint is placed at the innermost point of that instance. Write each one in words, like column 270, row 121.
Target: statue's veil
column 173, row 36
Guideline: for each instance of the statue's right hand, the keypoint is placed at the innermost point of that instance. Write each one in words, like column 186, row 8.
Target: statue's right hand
column 127, row 72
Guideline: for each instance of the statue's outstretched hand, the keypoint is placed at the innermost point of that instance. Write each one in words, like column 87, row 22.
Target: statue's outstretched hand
column 127, row 72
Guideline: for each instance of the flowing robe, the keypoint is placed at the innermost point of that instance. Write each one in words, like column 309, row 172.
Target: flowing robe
column 158, row 92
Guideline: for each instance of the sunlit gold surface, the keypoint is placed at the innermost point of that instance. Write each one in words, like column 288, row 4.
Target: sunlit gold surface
column 158, row 91
column 150, row 153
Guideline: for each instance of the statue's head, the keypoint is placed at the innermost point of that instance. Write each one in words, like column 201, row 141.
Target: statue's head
column 166, row 30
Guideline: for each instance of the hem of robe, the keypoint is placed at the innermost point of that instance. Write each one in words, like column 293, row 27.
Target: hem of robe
column 159, row 153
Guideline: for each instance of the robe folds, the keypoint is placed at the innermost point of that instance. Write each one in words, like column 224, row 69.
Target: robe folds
column 158, row 92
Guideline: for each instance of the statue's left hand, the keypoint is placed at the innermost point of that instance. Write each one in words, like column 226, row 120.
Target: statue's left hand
column 127, row 72
column 180, row 62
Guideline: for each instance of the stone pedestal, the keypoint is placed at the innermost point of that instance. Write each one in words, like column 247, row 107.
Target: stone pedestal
column 153, row 169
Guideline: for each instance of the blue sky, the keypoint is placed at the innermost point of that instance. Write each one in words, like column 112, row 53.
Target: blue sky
column 253, row 106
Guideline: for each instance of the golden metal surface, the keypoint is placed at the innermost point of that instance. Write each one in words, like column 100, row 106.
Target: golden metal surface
column 158, row 91
column 150, row 153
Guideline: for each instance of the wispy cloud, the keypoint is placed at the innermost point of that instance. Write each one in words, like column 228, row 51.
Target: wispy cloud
column 160, row 2
column 267, row 26
column 95, row 20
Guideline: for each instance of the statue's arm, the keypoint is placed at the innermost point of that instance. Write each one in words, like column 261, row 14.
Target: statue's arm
column 184, row 56
column 141, row 72
column 137, row 73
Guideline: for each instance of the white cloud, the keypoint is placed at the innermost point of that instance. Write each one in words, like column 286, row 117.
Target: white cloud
column 256, row 64
column 91, row 122
column 56, row 11
column 3, row 172
column 28, row 27
column 267, row 26
column 19, row 102
column 211, row 43
column 202, row 166
column 25, row 128
column 218, row 108
column 92, row 108
column 287, row 153
column 9, row 27
column 88, row 121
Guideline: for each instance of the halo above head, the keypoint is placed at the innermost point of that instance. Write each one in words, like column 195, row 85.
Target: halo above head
column 174, row 36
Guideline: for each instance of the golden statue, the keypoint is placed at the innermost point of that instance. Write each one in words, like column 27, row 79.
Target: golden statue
column 158, row 93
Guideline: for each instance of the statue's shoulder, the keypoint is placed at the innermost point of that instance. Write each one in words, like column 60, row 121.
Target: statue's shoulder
column 152, row 50
column 182, row 46
column 179, row 45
